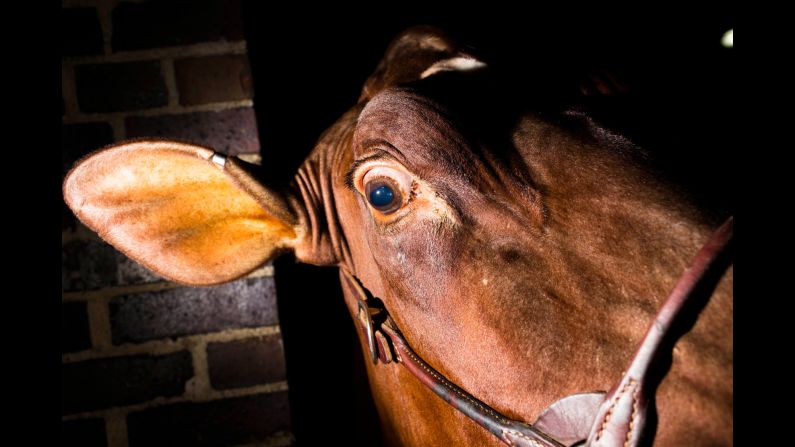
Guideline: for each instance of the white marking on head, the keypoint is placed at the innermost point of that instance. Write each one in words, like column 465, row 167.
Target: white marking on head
column 485, row 282
column 453, row 64
column 728, row 39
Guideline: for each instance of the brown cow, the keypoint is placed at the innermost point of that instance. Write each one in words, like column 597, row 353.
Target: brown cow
column 523, row 260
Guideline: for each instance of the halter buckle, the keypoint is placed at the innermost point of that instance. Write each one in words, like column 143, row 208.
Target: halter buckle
column 366, row 321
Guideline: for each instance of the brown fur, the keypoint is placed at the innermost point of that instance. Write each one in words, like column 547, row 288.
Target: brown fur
column 579, row 244
column 526, row 266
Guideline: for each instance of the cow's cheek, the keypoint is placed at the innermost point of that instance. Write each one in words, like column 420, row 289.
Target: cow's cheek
column 418, row 263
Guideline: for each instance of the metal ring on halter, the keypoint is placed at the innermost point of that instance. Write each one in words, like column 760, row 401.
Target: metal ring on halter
column 363, row 313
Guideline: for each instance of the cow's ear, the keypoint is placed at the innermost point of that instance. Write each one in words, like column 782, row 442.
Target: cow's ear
column 417, row 53
column 183, row 211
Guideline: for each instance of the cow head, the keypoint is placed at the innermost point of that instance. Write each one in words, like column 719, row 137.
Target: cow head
column 506, row 246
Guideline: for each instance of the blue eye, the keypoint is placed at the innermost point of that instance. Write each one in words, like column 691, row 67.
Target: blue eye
column 383, row 196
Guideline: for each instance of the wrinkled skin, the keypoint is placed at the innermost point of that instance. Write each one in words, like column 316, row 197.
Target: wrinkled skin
column 527, row 258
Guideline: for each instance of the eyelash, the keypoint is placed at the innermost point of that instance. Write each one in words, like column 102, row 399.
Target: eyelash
column 356, row 166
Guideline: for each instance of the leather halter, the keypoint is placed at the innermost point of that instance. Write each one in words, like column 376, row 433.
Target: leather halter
column 618, row 418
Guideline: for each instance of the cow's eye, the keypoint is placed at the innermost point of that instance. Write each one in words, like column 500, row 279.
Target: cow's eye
column 383, row 195
column 386, row 188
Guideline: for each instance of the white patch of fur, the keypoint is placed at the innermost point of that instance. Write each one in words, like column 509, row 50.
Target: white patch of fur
column 401, row 257
column 453, row 64
column 430, row 205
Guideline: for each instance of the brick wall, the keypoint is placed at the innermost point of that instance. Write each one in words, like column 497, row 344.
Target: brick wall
column 146, row 361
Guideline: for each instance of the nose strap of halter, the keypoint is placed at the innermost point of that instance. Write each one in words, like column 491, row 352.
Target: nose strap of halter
column 377, row 326
column 616, row 420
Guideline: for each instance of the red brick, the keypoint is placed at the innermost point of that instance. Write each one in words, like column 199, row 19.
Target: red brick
column 81, row 33
column 87, row 265
column 248, row 362
column 83, row 433
column 223, row 422
column 213, row 79
column 75, row 334
column 121, row 86
column 104, row 383
column 90, row 264
column 231, row 131
column 184, row 311
column 138, row 26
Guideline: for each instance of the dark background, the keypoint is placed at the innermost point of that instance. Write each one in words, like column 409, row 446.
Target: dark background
column 309, row 64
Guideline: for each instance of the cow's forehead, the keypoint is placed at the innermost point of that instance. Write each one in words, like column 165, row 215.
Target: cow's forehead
column 418, row 131
column 434, row 141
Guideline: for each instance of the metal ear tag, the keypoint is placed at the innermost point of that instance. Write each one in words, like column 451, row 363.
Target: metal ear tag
column 219, row 159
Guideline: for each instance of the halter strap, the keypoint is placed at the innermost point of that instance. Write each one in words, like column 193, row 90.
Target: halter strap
column 618, row 419
column 622, row 419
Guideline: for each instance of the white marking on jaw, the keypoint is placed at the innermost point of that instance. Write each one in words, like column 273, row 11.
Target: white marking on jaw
column 219, row 159
column 401, row 257
column 453, row 64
